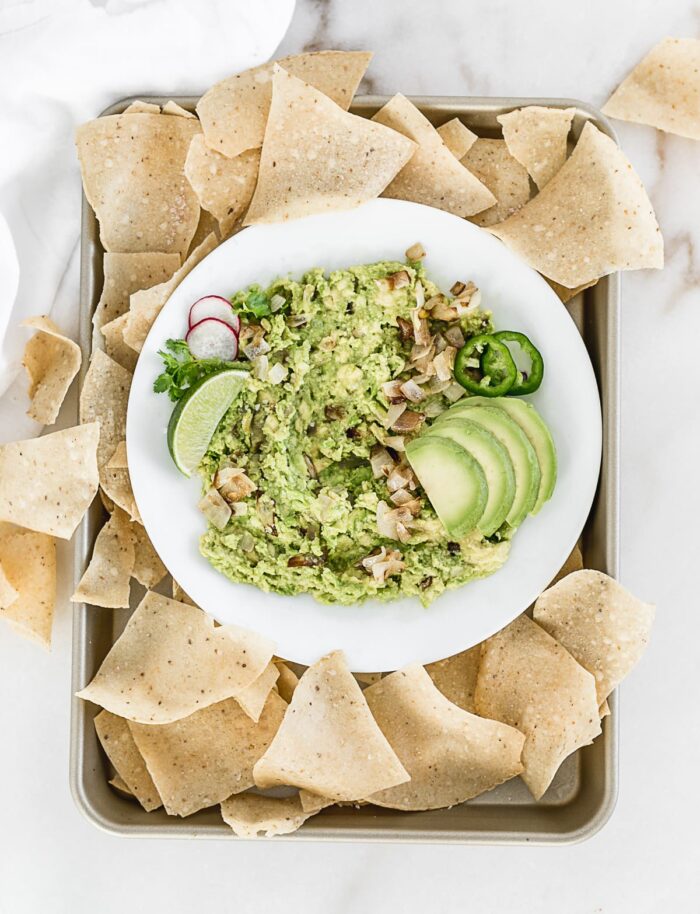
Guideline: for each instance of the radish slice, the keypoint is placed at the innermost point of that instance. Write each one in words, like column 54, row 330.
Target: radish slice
column 214, row 306
column 213, row 339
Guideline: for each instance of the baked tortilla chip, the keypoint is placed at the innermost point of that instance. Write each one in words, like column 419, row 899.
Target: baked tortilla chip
column 171, row 661
column 536, row 137
column 456, row 676
column 367, row 678
column 119, row 746
column 119, row 785
column 565, row 294
column 601, row 624
column 287, row 680
column 329, row 743
column 125, row 274
column 663, row 90
column 432, row 175
column 458, row 138
column 118, row 460
column 148, row 568
column 141, row 107
column 592, row 218
column 133, row 168
column 107, row 579
column 104, row 399
column 253, row 698
column 529, row 681
column 202, row 759
column 51, row 361
column 114, row 345
column 253, row 816
column 207, row 226
column 504, row 176
column 450, row 754
column 224, row 186
column 146, row 305
column 171, row 107
column 574, row 562
column 28, row 566
column 116, row 485
column 318, row 158
column 181, row 596
column 47, row 483
column 234, row 112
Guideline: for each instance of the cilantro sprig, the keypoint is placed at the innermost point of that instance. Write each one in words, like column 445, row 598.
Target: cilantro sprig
column 182, row 370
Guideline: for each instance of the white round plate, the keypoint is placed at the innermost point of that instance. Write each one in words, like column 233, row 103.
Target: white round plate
column 376, row 636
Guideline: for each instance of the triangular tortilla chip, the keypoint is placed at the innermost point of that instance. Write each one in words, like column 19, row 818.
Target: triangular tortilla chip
column 536, row 137
column 133, row 169
column 504, row 176
column 107, row 579
column 592, row 218
column 287, row 680
column 458, row 138
column 141, row 107
column 450, row 754
column 171, row 660
column 206, row 226
column 147, row 304
column 148, row 568
column 433, row 175
column 223, row 186
column 663, row 90
column 529, row 681
column 171, row 107
column 8, row 594
column 118, row 784
column 118, row 743
column 456, row 676
column 123, row 275
column 600, row 623
column 51, row 361
column 28, row 564
column 318, row 158
column 253, row 698
column 114, row 344
column 204, row 758
column 234, row 112
column 251, row 815
column 104, row 399
column 328, row 742
column 565, row 294
column 116, row 485
column 47, row 483
column 118, row 460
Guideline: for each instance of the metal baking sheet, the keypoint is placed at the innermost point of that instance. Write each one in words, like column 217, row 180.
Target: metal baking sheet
column 582, row 796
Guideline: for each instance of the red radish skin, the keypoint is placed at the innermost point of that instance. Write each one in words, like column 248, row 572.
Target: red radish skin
column 214, row 306
column 212, row 339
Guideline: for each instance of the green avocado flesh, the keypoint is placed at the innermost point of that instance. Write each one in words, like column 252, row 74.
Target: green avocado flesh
column 305, row 443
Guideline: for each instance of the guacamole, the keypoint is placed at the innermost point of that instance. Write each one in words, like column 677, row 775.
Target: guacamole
column 309, row 433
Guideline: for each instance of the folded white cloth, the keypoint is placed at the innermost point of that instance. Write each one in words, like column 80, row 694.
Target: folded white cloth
column 61, row 63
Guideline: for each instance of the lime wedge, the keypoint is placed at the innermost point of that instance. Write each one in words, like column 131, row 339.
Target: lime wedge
column 197, row 415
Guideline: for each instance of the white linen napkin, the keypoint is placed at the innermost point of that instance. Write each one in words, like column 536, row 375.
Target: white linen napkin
column 61, row 63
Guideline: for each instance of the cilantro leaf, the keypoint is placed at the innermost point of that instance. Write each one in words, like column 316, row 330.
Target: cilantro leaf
column 182, row 370
column 254, row 302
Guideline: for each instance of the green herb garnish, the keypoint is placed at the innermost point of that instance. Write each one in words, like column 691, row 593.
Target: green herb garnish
column 254, row 302
column 182, row 370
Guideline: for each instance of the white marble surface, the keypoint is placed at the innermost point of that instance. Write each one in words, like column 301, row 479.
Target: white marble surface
column 647, row 859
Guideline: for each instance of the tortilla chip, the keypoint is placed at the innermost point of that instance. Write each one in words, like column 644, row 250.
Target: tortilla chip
column 118, row 783
column 171, row 661
column 180, row 595
column 114, row 345
column 313, row 803
column 253, row 698
column 134, row 179
column 565, row 294
column 107, row 579
column 104, row 399
column 458, row 138
column 223, row 186
column 287, row 680
column 663, row 90
column 329, row 742
column 116, row 486
column 450, row 754
column 536, row 137
column 51, row 361
column 118, row 460
column 29, row 569
column 604, row 709
column 529, row 681
column 148, row 568
column 141, row 107
column 574, row 562
column 253, row 816
column 234, row 112
column 8, row 594
column 592, row 218
column 47, row 483
column 456, row 676
column 432, row 176
column 601, row 624
column 202, row 759
column 146, row 305
column 123, row 275
column 171, row 107
column 504, row 176
column 367, row 678
column 318, row 158
column 207, row 226
column 119, row 746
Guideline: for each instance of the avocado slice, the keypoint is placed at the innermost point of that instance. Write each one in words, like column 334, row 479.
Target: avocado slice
column 453, row 481
column 494, row 461
column 522, row 455
column 536, row 430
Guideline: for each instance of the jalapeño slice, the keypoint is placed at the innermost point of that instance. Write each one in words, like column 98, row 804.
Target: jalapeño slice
column 525, row 382
column 485, row 366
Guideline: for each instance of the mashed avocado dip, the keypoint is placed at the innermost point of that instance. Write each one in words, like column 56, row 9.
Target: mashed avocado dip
column 321, row 454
